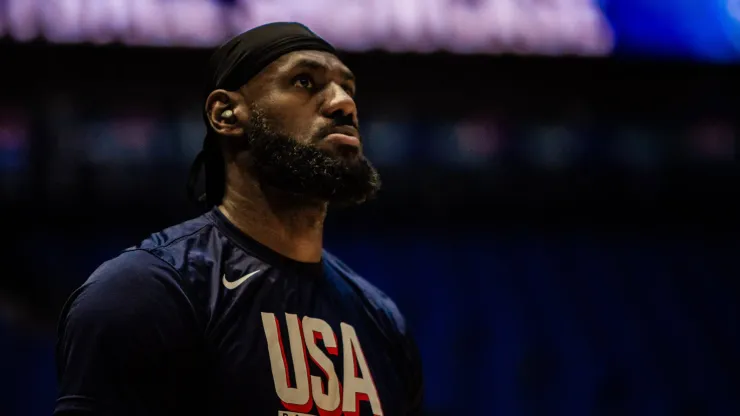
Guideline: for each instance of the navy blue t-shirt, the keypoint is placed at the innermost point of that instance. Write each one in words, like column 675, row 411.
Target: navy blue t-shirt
column 201, row 319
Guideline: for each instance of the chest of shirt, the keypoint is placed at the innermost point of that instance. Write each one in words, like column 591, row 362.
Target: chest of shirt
column 285, row 349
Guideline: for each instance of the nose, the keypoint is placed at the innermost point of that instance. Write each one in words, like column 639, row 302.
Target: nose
column 339, row 104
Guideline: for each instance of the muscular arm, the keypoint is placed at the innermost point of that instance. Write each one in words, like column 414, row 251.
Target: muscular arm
column 127, row 342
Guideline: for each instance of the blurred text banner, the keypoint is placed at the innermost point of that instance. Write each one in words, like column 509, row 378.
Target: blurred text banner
column 554, row 27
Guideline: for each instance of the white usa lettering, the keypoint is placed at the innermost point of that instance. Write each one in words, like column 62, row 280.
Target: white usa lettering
column 333, row 398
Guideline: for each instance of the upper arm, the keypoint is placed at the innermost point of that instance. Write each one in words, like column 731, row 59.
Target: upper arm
column 127, row 340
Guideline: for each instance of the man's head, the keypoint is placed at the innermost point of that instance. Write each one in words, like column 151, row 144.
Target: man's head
column 292, row 125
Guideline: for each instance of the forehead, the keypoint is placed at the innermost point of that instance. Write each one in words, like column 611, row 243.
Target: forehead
column 311, row 60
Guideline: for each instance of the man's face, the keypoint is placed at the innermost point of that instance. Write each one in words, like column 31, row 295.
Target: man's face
column 302, row 131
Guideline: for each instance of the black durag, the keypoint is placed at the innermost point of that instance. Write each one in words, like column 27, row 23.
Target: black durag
column 231, row 66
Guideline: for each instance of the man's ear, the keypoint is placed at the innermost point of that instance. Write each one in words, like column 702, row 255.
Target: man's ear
column 226, row 112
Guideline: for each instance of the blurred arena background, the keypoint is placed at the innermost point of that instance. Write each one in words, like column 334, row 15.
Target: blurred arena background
column 558, row 221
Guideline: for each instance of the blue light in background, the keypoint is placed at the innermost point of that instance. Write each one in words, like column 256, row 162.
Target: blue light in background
column 705, row 30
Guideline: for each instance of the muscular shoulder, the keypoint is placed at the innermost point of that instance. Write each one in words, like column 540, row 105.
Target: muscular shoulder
column 193, row 250
column 160, row 270
column 134, row 283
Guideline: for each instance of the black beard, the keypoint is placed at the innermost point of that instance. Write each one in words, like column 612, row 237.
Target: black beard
column 305, row 172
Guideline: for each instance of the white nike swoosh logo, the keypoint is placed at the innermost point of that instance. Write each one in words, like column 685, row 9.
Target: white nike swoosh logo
column 237, row 283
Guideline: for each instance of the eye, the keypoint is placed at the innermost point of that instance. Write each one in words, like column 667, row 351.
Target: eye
column 303, row 81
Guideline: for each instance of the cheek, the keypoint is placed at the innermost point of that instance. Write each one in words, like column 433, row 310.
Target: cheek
column 291, row 125
column 304, row 128
column 298, row 120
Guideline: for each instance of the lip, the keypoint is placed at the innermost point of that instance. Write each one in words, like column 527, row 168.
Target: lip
column 341, row 138
column 346, row 135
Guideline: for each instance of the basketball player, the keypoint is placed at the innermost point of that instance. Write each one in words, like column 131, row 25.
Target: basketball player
column 240, row 312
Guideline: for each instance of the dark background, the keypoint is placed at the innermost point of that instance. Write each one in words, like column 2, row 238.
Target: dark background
column 561, row 233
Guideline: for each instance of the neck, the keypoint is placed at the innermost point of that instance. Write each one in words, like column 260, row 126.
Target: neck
column 289, row 227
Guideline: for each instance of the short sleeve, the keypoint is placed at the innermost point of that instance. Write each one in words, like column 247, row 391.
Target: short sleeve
column 127, row 342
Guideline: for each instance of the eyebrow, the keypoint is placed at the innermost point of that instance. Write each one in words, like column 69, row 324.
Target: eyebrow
column 316, row 65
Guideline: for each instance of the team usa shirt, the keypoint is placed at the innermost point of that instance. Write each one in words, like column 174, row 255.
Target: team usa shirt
column 200, row 319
